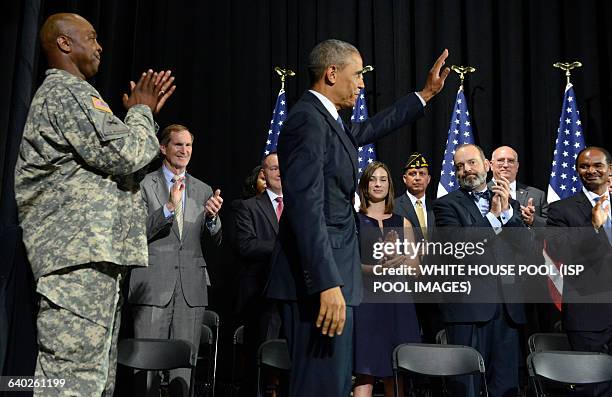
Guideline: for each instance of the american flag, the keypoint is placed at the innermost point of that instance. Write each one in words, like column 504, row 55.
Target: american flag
column 459, row 133
column 366, row 153
column 279, row 114
column 564, row 180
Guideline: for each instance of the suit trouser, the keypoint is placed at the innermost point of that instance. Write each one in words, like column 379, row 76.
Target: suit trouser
column 176, row 320
column 320, row 366
column 592, row 341
column 497, row 340
column 78, row 325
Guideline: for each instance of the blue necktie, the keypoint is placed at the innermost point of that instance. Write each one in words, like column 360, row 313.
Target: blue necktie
column 607, row 226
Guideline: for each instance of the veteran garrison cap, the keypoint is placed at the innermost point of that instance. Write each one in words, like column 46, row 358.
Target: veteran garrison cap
column 416, row 160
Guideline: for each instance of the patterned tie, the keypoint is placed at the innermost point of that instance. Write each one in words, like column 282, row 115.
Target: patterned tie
column 178, row 212
column 608, row 223
column 279, row 207
column 421, row 216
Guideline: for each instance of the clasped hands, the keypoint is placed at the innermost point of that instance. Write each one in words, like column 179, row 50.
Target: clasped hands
column 152, row 89
column 212, row 205
column 500, row 201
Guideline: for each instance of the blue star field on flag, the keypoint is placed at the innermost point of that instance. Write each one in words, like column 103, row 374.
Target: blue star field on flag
column 564, row 180
column 366, row 153
column 279, row 114
column 459, row 133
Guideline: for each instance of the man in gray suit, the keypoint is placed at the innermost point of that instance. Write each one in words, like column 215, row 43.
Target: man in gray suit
column 169, row 296
column 534, row 207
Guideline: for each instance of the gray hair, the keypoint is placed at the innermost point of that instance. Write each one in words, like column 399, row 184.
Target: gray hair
column 326, row 53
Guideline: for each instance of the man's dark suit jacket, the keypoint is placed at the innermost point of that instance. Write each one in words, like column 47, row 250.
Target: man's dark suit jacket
column 458, row 210
column 524, row 193
column 402, row 206
column 582, row 246
column 256, row 230
column 317, row 246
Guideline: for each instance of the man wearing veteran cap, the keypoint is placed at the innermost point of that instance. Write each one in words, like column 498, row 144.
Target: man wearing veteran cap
column 414, row 205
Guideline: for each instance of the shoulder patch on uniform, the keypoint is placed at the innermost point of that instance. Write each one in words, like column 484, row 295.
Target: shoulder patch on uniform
column 100, row 105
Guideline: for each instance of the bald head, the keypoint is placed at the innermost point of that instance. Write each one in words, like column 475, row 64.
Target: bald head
column 504, row 162
column 69, row 42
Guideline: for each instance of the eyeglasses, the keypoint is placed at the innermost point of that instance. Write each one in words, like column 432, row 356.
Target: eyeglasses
column 511, row 162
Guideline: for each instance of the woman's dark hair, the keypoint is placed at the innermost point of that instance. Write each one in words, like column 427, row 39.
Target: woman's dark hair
column 249, row 187
column 364, row 196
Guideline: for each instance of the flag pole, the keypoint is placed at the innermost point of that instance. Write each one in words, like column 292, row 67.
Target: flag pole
column 566, row 66
column 283, row 73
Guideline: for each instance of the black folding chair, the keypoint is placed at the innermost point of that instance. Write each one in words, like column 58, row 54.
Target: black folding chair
column 441, row 337
column 157, row 355
column 568, row 368
column 437, row 360
column 204, row 364
column 211, row 319
column 237, row 342
column 272, row 353
column 548, row 341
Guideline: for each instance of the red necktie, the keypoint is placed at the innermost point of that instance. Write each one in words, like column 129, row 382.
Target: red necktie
column 279, row 207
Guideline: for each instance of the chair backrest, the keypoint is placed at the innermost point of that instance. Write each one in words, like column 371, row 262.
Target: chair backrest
column 441, row 337
column 207, row 337
column 274, row 353
column 548, row 341
column 437, row 360
column 239, row 335
column 156, row 354
column 571, row 367
column 211, row 319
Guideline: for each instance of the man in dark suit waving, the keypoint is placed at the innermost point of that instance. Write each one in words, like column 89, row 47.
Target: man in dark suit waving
column 315, row 264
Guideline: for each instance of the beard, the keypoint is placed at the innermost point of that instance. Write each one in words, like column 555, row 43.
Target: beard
column 470, row 184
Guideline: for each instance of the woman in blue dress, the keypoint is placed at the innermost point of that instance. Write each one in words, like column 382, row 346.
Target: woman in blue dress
column 380, row 327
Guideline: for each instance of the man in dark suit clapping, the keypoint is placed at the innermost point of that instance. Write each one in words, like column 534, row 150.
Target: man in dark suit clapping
column 586, row 240
column 315, row 269
column 491, row 328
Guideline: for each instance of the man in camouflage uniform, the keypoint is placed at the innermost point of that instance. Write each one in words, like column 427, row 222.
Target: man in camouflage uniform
column 80, row 206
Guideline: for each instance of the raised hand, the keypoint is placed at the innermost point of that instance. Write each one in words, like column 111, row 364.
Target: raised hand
column 152, row 89
column 599, row 213
column 528, row 212
column 176, row 193
column 501, row 196
column 435, row 78
column 214, row 203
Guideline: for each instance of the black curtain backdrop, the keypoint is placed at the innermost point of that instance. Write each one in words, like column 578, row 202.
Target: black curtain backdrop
column 223, row 53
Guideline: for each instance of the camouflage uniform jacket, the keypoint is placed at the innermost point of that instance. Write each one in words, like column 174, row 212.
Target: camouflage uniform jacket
column 76, row 179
